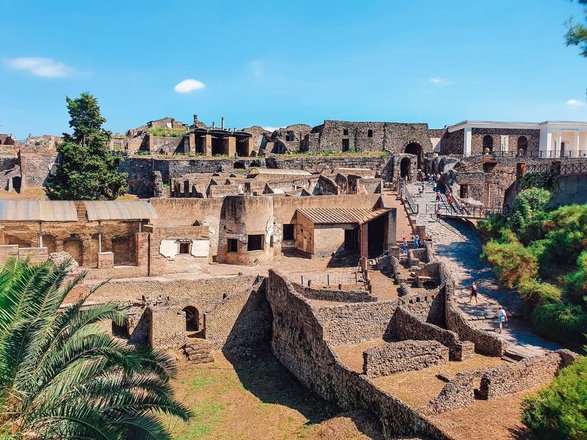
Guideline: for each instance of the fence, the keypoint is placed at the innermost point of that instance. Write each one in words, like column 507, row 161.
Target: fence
column 406, row 196
column 550, row 154
column 331, row 279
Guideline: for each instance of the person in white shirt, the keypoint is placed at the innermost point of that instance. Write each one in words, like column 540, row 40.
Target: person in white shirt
column 501, row 318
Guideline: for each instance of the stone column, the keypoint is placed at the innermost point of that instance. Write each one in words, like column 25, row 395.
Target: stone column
column 364, row 240
column 548, row 146
column 468, row 141
column 577, row 143
column 142, row 251
column 230, row 145
column 559, row 140
column 207, row 145
column 392, row 228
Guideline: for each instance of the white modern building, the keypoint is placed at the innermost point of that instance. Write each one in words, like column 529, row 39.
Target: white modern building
column 548, row 139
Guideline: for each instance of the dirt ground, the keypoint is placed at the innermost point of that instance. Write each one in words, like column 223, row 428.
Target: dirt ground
column 257, row 398
column 497, row 419
column 417, row 388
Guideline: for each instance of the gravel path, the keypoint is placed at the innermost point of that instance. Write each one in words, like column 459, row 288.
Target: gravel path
column 457, row 245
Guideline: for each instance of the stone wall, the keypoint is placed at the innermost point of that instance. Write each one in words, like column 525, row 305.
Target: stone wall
column 140, row 169
column 344, row 296
column 298, row 344
column 409, row 326
column 523, row 375
column 395, row 357
column 233, row 312
column 369, row 136
column 458, row 393
column 354, row 323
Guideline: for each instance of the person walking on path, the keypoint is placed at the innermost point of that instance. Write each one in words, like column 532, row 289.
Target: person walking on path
column 404, row 245
column 416, row 242
column 501, row 318
column 437, row 196
column 473, row 293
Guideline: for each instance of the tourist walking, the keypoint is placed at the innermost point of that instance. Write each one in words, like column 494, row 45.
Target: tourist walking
column 404, row 245
column 437, row 196
column 473, row 293
column 501, row 318
column 416, row 242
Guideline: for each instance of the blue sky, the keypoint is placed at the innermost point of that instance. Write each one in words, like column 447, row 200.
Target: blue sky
column 274, row 63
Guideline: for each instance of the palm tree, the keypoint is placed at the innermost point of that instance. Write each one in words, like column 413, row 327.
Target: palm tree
column 62, row 375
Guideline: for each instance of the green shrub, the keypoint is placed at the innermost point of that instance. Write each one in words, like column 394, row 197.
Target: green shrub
column 166, row 132
column 577, row 281
column 513, row 263
column 528, row 213
column 559, row 411
column 536, row 293
column 541, row 179
column 565, row 323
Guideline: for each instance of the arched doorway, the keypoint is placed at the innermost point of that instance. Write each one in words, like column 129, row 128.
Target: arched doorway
column 192, row 318
column 487, row 144
column 404, row 167
column 415, row 149
column 522, row 145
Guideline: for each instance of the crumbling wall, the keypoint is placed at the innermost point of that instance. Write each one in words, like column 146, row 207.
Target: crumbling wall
column 523, row 375
column 409, row 326
column 344, row 296
column 395, row 357
column 354, row 323
column 298, row 344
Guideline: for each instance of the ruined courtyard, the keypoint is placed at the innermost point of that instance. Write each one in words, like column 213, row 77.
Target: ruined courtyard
column 296, row 247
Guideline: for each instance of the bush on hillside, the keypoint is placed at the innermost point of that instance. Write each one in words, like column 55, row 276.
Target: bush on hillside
column 565, row 323
column 535, row 293
column 558, row 411
column 513, row 263
column 577, row 281
column 529, row 210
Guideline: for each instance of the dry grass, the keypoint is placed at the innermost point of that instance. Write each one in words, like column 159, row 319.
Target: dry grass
column 487, row 419
column 33, row 192
column 255, row 398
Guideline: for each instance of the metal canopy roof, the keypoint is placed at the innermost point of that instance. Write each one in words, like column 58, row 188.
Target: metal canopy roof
column 101, row 210
column 322, row 216
column 37, row 211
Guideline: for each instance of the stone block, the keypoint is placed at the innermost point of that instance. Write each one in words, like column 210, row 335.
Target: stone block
column 105, row 260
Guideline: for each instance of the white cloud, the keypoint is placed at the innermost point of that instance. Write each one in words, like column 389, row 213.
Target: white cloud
column 189, row 85
column 270, row 128
column 575, row 103
column 437, row 80
column 43, row 67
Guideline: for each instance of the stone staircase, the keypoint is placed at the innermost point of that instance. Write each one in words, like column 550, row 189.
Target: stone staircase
column 198, row 351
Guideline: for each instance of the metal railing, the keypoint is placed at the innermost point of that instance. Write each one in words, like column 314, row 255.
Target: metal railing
column 550, row 154
column 406, row 196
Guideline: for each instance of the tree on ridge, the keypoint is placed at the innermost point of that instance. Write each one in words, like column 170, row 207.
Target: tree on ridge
column 86, row 167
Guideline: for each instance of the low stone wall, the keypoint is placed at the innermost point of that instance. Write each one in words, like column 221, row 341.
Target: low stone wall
column 395, row 357
column 409, row 326
column 458, row 393
column 354, row 323
column 344, row 296
column 298, row 344
column 526, row 374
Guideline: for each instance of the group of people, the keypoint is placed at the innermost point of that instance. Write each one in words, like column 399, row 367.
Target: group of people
column 417, row 243
column 502, row 316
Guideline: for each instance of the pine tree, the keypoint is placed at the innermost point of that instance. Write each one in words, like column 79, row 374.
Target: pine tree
column 86, row 168
column 577, row 33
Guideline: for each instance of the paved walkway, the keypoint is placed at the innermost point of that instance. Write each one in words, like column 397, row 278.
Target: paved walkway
column 456, row 244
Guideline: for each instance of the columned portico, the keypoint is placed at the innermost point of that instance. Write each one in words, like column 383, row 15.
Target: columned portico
column 563, row 139
column 468, row 141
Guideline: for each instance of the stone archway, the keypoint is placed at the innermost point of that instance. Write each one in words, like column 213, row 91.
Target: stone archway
column 192, row 319
column 417, row 150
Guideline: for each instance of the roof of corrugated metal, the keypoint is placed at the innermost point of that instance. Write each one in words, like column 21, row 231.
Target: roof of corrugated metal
column 100, row 210
column 341, row 215
column 37, row 211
